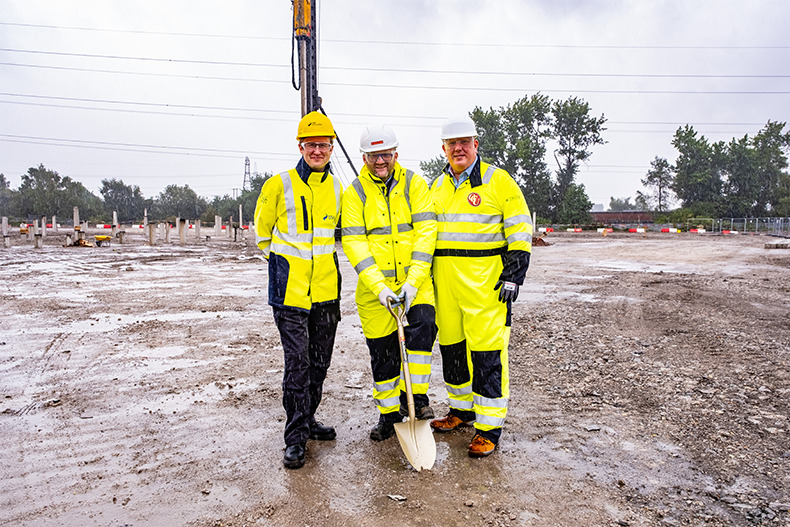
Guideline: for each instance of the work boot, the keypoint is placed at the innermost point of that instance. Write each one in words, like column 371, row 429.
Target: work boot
column 385, row 428
column 421, row 413
column 294, row 455
column 481, row 446
column 319, row 432
column 451, row 422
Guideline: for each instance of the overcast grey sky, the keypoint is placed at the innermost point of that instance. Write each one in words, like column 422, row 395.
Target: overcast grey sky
column 179, row 92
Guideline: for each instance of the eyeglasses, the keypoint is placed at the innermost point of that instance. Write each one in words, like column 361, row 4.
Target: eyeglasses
column 385, row 157
column 323, row 147
column 464, row 143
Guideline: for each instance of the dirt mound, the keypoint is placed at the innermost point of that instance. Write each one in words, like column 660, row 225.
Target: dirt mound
column 540, row 242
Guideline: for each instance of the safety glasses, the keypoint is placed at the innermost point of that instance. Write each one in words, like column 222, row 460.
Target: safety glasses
column 323, row 147
column 385, row 157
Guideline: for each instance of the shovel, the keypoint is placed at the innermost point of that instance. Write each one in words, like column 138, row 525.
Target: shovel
column 415, row 437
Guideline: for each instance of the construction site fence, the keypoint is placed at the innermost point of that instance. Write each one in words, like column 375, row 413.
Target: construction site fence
column 768, row 226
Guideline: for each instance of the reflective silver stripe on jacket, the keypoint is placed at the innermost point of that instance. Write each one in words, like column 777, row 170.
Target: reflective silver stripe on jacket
column 489, row 174
column 321, row 232
column 515, row 220
column 302, row 237
column 353, row 231
column 470, row 218
column 320, row 249
column 423, row 216
column 290, row 202
column 421, row 256
column 304, row 254
column 409, row 175
column 364, row 264
column 357, row 184
column 266, row 250
column 471, row 237
column 519, row 237
column 380, row 231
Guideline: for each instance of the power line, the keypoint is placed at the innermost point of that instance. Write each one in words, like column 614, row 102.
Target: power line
column 410, row 70
column 294, row 113
column 141, row 32
column 184, row 150
column 402, row 42
column 142, row 73
column 412, row 87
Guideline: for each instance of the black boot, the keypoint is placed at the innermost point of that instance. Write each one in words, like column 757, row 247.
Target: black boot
column 385, row 428
column 294, row 456
column 319, row 432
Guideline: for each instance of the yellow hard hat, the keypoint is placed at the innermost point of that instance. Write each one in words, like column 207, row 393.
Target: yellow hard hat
column 315, row 124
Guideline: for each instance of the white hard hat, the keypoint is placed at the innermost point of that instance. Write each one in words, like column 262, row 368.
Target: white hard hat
column 377, row 137
column 458, row 126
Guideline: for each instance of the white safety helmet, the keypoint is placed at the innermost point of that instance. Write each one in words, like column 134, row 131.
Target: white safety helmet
column 377, row 137
column 458, row 126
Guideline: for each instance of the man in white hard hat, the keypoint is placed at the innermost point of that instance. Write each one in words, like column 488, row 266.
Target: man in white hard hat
column 481, row 257
column 295, row 220
column 389, row 233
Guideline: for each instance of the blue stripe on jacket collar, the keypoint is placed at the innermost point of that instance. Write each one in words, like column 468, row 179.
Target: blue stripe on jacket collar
column 304, row 170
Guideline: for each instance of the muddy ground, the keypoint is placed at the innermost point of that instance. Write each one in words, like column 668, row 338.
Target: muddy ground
column 650, row 386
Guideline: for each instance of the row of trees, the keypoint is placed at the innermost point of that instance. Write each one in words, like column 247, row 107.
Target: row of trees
column 746, row 177
column 743, row 178
column 44, row 192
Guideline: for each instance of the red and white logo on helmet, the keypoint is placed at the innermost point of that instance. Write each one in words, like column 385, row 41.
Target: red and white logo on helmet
column 474, row 199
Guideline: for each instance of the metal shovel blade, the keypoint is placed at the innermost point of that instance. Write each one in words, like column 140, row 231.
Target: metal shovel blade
column 415, row 437
column 416, row 440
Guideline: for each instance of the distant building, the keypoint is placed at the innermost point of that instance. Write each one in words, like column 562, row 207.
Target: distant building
column 624, row 216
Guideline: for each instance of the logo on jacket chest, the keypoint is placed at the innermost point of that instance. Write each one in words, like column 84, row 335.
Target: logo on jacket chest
column 474, row 199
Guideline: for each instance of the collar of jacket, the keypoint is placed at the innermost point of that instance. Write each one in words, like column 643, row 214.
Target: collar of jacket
column 475, row 179
column 391, row 179
column 304, row 170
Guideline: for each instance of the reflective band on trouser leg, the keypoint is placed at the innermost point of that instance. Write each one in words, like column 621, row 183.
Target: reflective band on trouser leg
column 420, row 336
column 492, row 391
column 385, row 365
column 420, row 371
column 457, row 375
column 386, row 394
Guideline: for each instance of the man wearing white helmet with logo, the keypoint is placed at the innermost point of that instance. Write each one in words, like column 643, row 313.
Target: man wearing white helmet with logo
column 482, row 255
column 389, row 233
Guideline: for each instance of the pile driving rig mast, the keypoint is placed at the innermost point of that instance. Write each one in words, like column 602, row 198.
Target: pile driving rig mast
column 305, row 34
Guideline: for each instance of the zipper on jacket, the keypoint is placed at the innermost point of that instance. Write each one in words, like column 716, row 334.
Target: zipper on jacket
column 304, row 215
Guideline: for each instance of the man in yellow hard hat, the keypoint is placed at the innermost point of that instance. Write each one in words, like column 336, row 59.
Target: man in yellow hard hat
column 481, row 257
column 389, row 233
column 295, row 220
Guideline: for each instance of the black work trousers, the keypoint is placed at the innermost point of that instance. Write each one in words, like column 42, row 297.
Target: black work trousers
column 308, row 339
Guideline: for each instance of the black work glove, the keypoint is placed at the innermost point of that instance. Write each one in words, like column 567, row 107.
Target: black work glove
column 508, row 291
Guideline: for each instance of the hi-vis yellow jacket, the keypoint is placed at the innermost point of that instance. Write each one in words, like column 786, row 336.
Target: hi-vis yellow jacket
column 389, row 239
column 295, row 220
column 486, row 216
